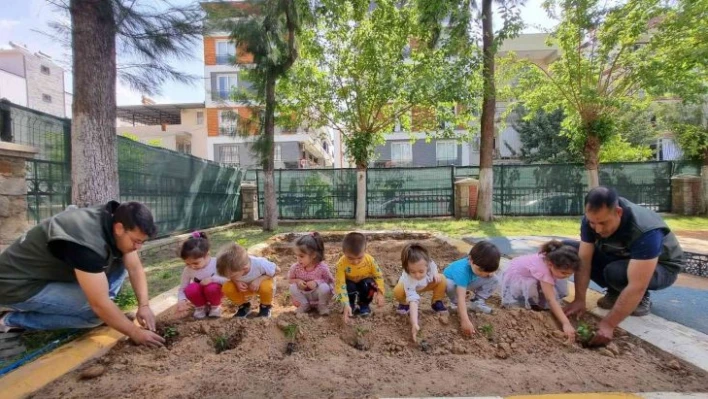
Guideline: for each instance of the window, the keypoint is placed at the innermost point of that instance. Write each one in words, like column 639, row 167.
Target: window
column 200, row 118
column 228, row 120
column 446, row 150
column 225, row 85
column 45, row 70
column 227, row 154
column 278, row 156
column 475, row 144
column 225, row 52
column 46, row 98
column 401, row 152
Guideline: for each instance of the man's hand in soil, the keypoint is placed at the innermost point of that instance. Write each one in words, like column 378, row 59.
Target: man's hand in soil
column 241, row 286
column 311, row 285
column 603, row 335
column 347, row 314
column 145, row 317
column 468, row 328
column 575, row 308
column 414, row 332
column 182, row 308
column 206, row 281
column 569, row 332
column 148, row 338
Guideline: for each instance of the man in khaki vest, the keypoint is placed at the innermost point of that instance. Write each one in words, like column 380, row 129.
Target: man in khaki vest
column 64, row 272
column 627, row 249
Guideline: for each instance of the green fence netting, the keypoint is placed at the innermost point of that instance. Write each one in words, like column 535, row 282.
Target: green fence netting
column 183, row 192
column 409, row 192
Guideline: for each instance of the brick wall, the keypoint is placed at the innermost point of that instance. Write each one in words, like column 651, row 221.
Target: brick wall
column 686, row 195
column 242, row 57
column 244, row 113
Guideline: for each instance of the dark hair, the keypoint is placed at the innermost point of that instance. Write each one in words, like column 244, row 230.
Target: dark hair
column 413, row 252
column 486, row 256
column 563, row 257
column 134, row 215
column 312, row 243
column 196, row 246
column 601, row 197
column 354, row 243
column 231, row 258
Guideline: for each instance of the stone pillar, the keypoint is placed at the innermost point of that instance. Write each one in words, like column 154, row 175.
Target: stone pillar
column 466, row 191
column 249, row 202
column 686, row 195
column 13, row 191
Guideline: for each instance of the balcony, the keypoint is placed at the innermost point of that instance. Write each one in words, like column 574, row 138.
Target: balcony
column 225, row 59
column 227, row 131
column 221, row 95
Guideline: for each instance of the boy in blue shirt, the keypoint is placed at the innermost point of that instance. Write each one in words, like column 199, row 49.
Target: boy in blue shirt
column 474, row 273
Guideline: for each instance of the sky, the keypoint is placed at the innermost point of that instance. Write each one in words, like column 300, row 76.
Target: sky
column 22, row 22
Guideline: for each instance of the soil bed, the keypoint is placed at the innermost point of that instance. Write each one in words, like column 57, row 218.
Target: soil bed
column 515, row 352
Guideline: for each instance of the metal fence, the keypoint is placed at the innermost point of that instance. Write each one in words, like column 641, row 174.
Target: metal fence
column 183, row 192
column 519, row 190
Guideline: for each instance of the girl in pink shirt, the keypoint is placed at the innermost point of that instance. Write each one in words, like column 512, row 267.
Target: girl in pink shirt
column 540, row 280
column 310, row 280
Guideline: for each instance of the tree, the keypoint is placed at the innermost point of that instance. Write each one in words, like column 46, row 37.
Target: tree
column 268, row 30
column 598, row 75
column 363, row 69
column 454, row 18
column 541, row 139
column 99, row 30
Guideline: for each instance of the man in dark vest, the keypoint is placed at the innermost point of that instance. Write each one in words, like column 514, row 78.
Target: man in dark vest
column 64, row 272
column 627, row 249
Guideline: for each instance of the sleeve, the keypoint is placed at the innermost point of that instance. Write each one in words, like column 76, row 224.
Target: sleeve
column 540, row 272
column 325, row 276
column 378, row 276
column 340, row 282
column 183, row 284
column 432, row 269
column 267, row 266
column 77, row 256
column 648, row 245
column 587, row 234
column 291, row 272
column 409, row 288
column 217, row 278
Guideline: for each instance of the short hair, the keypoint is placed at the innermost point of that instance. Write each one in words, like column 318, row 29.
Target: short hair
column 601, row 197
column 354, row 243
column 413, row 252
column 197, row 246
column 231, row 258
column 563, row 257
column 134, row 215
column 486, row 256
column 312, row 243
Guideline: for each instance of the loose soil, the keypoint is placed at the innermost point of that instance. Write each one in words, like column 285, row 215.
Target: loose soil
column 697, row 234
column 516, row 351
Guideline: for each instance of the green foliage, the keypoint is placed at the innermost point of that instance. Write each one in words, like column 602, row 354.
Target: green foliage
column 541, row 139
column 487, row 330
column 584, row 332
column 689, row 123
column 126, row 299
column 291, row 331
column 220, row 343
column 170, row 332
column 131, row 136
column 617, row 149
column 155, row 143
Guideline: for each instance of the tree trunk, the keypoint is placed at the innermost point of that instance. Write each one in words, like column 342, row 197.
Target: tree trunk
column 486, row 173
column 94, row 164
column 270, row 221
column 704, row 181
column 360, row 195
column 591, row 154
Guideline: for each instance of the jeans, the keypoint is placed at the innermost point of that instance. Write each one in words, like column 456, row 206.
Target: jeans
column 611, row 272
column 362, row 292
column 61, row 305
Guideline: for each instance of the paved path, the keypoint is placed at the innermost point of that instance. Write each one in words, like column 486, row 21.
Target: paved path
column 684, row 302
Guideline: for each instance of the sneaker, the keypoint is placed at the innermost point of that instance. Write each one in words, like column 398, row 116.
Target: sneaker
column 215, row 312
column 439, row 306
column 608, row 301
column 264, row 311
column 364, row 311
column 4, row 328
column 644, row 306
column 243, row 311
column 403, row 309
column 200, row 312
column 304, row 308
column 323, row 309
column 480, row 306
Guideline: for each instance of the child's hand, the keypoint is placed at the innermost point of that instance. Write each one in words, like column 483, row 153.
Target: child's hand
column 242, row 286
column 311, row 285
column 468, row 328
column 414, row 332
column 569, row 332
column 301, row 285
column 254, row 285
column 380, row 300
column 347, row 314
column 182, row 308
column 436, row 278
column 206, row 281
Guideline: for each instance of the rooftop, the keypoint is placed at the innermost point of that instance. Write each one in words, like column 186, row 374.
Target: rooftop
column 155, row 114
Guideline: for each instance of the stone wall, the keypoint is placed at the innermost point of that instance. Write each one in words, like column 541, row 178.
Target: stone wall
column 249, row 202
column 13, row 191
column 686, row 195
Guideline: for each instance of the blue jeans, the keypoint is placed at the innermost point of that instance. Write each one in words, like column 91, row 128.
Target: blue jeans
column 61, row 305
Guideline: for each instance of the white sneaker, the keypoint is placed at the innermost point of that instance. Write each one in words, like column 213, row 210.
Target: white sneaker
column 215, row 312
column 200, row 312
column 480, row 306
column 4, row 327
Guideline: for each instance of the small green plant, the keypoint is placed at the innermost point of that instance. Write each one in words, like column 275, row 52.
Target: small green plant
column 165, row 275
column 221, row 343
column 361, row 331
column 389, row 296
column 584, row 332
column 126, row 299
column 242, row 242
column 170, row 332
column 487, row 330
column 291, row 331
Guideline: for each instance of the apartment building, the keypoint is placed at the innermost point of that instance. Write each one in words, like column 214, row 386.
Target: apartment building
column 33, row 80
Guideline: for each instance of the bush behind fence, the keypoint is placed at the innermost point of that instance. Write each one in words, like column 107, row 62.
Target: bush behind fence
column 183, row 192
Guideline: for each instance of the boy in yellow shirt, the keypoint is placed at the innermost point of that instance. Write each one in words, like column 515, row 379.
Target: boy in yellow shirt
column 358, row 279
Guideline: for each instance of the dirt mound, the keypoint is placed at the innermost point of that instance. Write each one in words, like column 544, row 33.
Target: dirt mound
column 515, row 351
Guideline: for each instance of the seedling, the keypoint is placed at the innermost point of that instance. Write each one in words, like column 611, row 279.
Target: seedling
column 170, row 332
column 361, row 331
column 585, row 333
column 360, row 343
column 389, row 296
column 291, row 331
column 221, row 343
column 487, row 330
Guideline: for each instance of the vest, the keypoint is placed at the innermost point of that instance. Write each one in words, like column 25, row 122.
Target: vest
column 27, row 266
column 637, row 220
